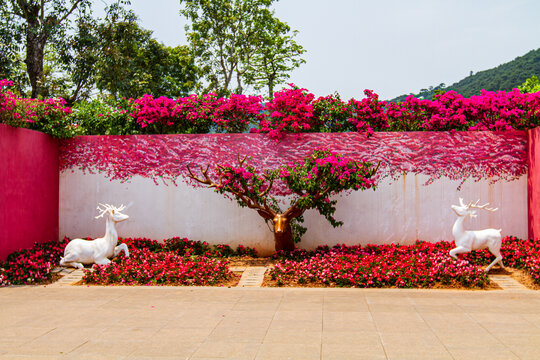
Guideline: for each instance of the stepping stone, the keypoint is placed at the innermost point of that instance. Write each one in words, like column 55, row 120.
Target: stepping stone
column 252, row 276
column 507, row 282
column 237, row 268
column 70, row 277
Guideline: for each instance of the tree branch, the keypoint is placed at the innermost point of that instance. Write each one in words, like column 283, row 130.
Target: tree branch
column 73, row 7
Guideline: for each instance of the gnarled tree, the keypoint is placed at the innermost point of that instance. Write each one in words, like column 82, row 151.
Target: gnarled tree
column 310, row 184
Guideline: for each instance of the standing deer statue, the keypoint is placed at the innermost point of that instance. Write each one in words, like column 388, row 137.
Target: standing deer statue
column 467, row 240
column 98, row 251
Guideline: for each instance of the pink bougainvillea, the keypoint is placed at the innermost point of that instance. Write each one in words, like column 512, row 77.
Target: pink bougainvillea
column 290, row 111
column 50, row 115
column 196, row 113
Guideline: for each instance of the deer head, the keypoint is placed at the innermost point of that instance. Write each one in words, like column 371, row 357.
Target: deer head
column 463, row 210
column 113, row 213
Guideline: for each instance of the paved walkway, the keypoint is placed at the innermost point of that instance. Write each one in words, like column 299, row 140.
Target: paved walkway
column 79, row 322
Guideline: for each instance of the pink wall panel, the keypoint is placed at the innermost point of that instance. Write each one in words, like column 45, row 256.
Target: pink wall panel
column 534, row 183
column 29, row 188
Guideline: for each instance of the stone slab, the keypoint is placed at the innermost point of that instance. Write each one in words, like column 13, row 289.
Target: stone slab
column 100, row 322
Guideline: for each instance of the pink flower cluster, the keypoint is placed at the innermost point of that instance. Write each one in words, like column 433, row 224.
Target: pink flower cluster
column 295, row 110
column 420, row 265
column 196, row 114
column 291, row 111
column 517, row 253
column 175, row 261
column 49, row 115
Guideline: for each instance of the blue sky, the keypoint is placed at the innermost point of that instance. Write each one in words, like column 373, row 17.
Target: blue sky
column 390, row 46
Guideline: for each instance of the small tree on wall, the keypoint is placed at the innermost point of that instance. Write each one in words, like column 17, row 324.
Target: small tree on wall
column 312, row 182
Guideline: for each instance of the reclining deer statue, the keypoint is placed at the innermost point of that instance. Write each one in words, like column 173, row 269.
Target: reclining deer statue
column 467, row 240
column 98, row 251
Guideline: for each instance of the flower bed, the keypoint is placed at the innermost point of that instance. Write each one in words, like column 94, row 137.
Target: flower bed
column 423, row 265
column 180, row 261
column 31, row 266
column 176, row 261
column 145, row 267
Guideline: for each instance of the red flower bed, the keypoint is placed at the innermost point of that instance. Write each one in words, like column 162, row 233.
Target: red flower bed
column 421, row 265
column 176, row 261
column 144, row 267
column 31, row 266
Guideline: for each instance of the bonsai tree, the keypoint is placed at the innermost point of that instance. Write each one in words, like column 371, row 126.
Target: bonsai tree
column 309, row 183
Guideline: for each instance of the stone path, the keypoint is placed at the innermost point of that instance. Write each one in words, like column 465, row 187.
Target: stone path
column 252, row 276
column 506, row 282
column 70, row 276
column 165, row 322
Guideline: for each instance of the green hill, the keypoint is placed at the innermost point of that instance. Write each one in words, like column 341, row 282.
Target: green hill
column 504, row 77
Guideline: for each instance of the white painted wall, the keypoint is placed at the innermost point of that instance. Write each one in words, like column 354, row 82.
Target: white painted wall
column 397, row 212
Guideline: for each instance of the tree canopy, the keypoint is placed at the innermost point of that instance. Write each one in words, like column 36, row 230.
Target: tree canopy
column 240, row 42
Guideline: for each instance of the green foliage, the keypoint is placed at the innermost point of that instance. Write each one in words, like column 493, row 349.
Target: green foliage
column 322, row 175
column 332, row 114
column 105, row 117
column 132, row 63
column 531, row 85
column 239, row 40
column 503, row 77
column 39, row 23
column 278, row 54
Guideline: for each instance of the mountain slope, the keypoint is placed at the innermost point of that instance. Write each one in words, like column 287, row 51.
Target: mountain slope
column 504, row 77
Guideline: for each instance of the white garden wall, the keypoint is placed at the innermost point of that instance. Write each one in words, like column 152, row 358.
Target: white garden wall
column 400, row 211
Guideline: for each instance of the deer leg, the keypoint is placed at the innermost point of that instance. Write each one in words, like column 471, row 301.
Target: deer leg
column 498, row 258
column 71, row 264
column 121, row 247
column 69, row 261
column 102, row 261
column 459, row 250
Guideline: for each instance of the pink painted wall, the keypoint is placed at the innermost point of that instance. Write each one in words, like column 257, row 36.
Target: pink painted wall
column 29, row 189
column 534, row 183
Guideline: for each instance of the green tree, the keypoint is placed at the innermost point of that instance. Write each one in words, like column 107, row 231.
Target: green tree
column 531, row 85
column 226, row 36
column 132, row 64
column 39, row 22
column 276, row 57
column 78, row 56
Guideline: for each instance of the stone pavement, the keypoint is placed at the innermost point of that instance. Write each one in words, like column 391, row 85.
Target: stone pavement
column 80, row 322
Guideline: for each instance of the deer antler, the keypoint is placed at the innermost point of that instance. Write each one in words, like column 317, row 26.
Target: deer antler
column 102, row 211
column 376, row 168
column 206, row 179
column 483, row 207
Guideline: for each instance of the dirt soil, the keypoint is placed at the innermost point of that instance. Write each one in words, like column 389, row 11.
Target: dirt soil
column 250, row 261
column 268, row 282
column 232, row 282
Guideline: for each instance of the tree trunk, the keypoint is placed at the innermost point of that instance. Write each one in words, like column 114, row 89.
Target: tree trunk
column 35, row 50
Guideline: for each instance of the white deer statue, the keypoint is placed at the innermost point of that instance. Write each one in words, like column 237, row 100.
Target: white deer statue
column 98, row 251
column 467, row 240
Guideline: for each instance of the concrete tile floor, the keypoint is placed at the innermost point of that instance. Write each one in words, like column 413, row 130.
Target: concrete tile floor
column 260, row 323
